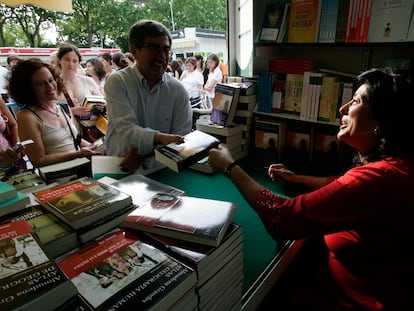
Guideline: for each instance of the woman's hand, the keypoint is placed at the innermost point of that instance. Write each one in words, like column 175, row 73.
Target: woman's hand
column 80, row 111
column 8, row 157
column 280, row 172
column 88, row 152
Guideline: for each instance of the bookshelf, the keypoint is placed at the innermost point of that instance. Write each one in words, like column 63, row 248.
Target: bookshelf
column 347, row 57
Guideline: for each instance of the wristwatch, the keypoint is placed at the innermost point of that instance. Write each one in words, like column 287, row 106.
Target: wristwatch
column 227, row 170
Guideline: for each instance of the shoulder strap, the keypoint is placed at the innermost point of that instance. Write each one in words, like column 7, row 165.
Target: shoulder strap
column 37, row 116
column 68, row 99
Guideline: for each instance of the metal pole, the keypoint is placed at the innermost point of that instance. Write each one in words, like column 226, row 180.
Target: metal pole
column 172, row 15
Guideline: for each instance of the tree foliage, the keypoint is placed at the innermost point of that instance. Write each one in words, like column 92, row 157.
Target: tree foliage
column 105, row 23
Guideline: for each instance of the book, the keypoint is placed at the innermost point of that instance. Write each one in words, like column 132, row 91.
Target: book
column 342, row 20
column 293, row 93
column 297, row 149
column 30, row 278
column 225, row 103
column 304, row 20
column 269, row 140
column 82, row 202
column 282, row 36
column 65, row 171
column 180, row 155
column 141, row 188
column 17, row 203
column 104, row 165
column 328, row 21
column 272, row 21
column 326, row 150
column 90, row 102
column 390, row 20
column 26, row 182
column 198, row 220
column 7, row 191
column 328, row 99
column 206, row 126
column 57, row 237
column 121, row 271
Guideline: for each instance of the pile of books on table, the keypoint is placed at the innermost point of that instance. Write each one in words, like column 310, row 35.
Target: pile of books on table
column 101, row 245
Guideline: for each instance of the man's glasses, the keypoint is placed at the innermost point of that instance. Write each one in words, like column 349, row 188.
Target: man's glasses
column 155, row 48
column 44, row 84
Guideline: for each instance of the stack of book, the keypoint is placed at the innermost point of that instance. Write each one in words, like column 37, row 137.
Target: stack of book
column 121, row 271
column 11, row 200
column 26, row 182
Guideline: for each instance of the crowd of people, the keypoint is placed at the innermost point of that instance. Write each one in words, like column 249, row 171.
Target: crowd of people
column 364, row 216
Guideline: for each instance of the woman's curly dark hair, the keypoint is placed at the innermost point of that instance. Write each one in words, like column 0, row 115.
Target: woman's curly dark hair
column 20, row 83
column 391, row 97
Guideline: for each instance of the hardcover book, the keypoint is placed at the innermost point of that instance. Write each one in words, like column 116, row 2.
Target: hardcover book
column 57, row 237
column 64, row 171
column 205, row 125
column 17, row 203
column 26, row 182
column 225, row 104
column 304, row 20
column 7, row 191
column 30, row 279
column 269, row 140
column 180, row 155
column 272, row 21
column 122, row 272
column 82, row 202
column 198, row 220
column 141, row 188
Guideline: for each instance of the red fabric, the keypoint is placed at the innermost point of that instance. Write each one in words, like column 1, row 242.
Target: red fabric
column 367, row 218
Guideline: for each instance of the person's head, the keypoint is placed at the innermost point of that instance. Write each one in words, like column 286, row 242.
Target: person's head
column 53, row 58
column 200, row 60
column 129, row 58
column 376, row 121
column 12, row 60
column 150, row 43
column 119, row 61
column 33, row 82
column 106, row 60
column 213, row 61
column 175, row 65
column 69, row 57
column 191, row 63
column 94, row 67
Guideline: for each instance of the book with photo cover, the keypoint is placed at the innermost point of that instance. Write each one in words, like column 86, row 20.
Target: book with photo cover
column 122, row 272
column 57, row 237
column 180, row 155
column 198, row 220
column 225, row 103
column 82, row 202
column 272, row 21
column 30, row 278
column 90, row 102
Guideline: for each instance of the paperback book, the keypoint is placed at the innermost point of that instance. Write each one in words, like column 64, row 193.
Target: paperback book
column 121, row 272
column 272, row 21
column 225, row 104
column 82, row 202
column 30, row 279
column 180, row 155
column 193, row 219
column 7, row 191
column 26, row 182
column 15, row 204
column 65, row 171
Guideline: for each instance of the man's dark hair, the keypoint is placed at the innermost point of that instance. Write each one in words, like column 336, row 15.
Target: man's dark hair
column 147, row 28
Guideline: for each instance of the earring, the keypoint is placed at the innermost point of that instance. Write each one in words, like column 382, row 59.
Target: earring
column 376, row 130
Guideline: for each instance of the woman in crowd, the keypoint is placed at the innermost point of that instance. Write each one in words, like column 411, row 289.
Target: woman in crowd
column 9, row 136
column 95, row 70
column 214, row 76
column 36, row 86
column 192, row 80
column 176, row 69
column 118, row 61
column 366, row 216
column 106, row 60
column 130, row 59
column 201, row 68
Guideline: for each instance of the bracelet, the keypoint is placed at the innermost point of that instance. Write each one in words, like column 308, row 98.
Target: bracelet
column 227, row 170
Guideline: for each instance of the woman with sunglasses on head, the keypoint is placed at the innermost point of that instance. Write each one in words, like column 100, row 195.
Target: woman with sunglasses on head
column 35, row 86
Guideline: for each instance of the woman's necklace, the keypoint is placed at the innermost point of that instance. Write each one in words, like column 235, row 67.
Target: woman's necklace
column 56, row 113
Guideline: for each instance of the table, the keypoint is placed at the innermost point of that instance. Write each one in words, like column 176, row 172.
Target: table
column 264, row 259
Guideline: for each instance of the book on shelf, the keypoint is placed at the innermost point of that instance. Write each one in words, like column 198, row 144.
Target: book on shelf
column 26, row 182
column 293, row 93
column 306, row 98
column 329, row 99
column 298, row 143
column 7, row 191
column 82, row 202
column 247, row 102
column 65, row 171
column 15, row 204
column 57, row 237
column 246, row 87
column 268, row 140
column 390, row 20
column 30, row 278
column 225, row 103
column 342, row 20
column 272, row 21
column 326, row 150
column 180, row 155
column 141, row 188
column 314, row 94
column 282, row 36
column 265, row 92
column 304, row 20
column 327, row 25
column 121, row 271
column 198, row 220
